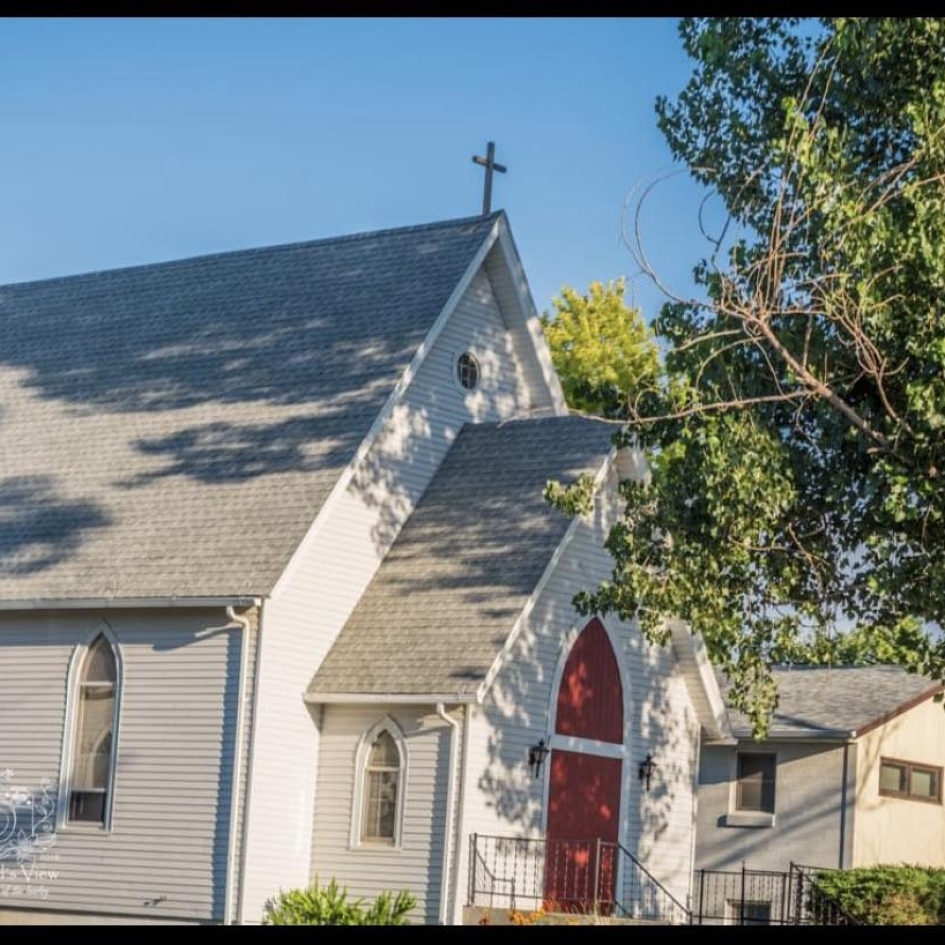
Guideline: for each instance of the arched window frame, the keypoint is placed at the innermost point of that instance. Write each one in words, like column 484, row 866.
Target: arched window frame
column 386, row 724
column 70, row 733
column 616, row 644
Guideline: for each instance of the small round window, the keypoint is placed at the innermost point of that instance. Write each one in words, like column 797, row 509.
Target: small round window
column 467, row 371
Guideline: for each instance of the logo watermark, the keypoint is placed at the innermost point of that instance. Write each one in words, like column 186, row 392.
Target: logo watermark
column 27, row 838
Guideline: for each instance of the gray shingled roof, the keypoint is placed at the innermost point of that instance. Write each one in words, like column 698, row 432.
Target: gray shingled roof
column 837, row 700
column 173, row 429
column 450, row 589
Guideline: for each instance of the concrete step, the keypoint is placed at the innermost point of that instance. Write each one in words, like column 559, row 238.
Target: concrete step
column 487, row 915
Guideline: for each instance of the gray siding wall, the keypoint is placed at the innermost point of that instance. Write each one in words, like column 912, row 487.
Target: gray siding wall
column 503, row 797
column 305, row 617
column 367, row 870
column 807, row 809
column 165, row 857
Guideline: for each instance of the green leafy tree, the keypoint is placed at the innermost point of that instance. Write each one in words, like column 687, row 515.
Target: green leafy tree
column 602, row 350
column 797, row 448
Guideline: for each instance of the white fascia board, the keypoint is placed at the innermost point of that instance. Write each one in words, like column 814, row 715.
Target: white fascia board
column 392, row 401
column 387, row 698
column 529, row 315
column 683, row 636
column 506, row 651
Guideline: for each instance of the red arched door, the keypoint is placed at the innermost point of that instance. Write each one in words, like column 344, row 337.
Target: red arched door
column 584, row 786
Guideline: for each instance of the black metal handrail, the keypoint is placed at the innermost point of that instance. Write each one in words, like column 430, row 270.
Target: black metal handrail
column 590, row 876
column 669, row 907
column 478, row 860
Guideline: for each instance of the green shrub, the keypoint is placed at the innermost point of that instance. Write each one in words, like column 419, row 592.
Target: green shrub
column 888, row 895
column 330, row 906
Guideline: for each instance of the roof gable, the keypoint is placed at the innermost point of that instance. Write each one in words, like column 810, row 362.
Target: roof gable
column 173, row 430
column 446, row 597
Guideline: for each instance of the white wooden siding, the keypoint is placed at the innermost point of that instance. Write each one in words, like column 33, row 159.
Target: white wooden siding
column 165, row 857
column 301, row 623
column 504, row 798
column 367, row 870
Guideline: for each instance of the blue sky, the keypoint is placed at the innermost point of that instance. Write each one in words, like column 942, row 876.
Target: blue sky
column 134, row 141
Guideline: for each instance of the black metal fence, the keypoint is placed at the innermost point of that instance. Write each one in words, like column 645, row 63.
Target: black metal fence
column 602, row 878
column 764, row 897
column 576, row 876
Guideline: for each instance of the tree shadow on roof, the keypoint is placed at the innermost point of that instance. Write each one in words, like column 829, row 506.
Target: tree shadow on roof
column 38, row 528
column 231, row 452
column 280, row 325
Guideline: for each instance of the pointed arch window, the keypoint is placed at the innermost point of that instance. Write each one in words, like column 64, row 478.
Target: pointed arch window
column 382, row 783
column 590, row 694
column 95, row 711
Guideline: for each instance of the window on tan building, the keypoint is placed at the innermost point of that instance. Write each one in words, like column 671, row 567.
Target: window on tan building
column 910, row 780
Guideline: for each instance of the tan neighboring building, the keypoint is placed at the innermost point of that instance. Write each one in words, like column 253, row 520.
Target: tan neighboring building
column 898, row 814
column 849, row 775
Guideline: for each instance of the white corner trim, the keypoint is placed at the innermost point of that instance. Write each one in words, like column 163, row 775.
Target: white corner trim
column 529, row 314
column 396, row 395
column 506, row 651
column 385, row 724
column 69, row 733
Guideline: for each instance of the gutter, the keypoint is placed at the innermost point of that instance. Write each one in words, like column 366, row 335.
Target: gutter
column 844, row 803
column 242, row 624
column 467, row 718
column 124, row 603
column 447, row 832
column 828, row 735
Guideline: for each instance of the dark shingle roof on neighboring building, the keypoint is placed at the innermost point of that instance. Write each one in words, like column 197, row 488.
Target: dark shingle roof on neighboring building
column 459, row 574
column 173, row 429
column 835, row 700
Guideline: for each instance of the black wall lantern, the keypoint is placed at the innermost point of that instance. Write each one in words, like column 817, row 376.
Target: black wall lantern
column 646, row 770
column 536, row 756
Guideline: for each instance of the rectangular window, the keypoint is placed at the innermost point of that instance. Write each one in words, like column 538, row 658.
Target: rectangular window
column 754, row 790
column 907, row 779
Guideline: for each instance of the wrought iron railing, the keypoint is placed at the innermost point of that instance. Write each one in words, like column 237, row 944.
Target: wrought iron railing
column 765, row 897
column 813, row 905
column 494, row 890
column 592, row 877
column 743, row 897
column 644, row 896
